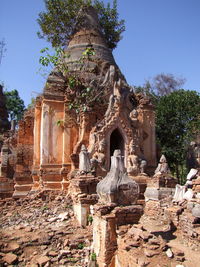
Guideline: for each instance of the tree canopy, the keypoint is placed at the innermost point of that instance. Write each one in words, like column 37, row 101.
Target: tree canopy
column 160, row 85
column 177, row 123
column 57, row 22
column 14, row 104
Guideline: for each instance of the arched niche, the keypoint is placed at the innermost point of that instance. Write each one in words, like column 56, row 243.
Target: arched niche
column 116, row 142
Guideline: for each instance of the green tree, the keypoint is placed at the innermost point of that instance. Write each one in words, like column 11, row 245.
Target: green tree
column 57, row 23
column 177, row 123
column 14, row 104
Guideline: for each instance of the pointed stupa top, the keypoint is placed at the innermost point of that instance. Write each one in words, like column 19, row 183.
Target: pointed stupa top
column 87, row 33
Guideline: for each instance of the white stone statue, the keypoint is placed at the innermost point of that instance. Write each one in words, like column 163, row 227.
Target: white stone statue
column 133, row 161
column 162, row 166
column 84, row 161
column 179, row 193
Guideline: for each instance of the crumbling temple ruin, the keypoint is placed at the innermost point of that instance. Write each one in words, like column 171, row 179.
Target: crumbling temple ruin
column 91, row 136
column 122, row 121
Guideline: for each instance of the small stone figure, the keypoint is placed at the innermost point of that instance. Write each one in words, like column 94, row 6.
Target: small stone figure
column 133, row 161
column 98, row 158
column 162, row 166
column 117, row 187
column 84, row 161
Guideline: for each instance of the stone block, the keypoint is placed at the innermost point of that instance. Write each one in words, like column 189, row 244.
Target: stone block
column 52, row 178
column 128, row 215
column 82, row 211
column 152, row 193
column 25, row 188
column 52, row 185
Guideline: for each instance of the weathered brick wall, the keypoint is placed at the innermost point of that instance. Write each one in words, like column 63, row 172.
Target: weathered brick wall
column 24, row 155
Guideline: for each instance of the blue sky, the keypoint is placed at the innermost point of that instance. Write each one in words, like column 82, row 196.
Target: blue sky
column 162, row 36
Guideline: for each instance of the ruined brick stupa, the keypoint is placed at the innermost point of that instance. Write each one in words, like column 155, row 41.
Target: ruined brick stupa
column 108, row 117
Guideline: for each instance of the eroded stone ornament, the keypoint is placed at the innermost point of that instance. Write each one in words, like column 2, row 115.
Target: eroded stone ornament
column 117, row 187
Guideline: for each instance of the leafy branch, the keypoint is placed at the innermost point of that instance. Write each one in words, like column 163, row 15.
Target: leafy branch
column 81, row 96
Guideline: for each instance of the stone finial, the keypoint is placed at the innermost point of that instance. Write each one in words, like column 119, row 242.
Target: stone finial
column 162, row 166
column 117, row 187
column 84, row 161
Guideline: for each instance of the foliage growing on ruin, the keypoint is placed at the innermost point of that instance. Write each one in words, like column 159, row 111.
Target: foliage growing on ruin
column 80, row 95
column 93, row 256
column 57, row 22
column 14, row 104
column 177, row 123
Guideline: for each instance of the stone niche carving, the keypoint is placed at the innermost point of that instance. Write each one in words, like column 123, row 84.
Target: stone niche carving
column 117, row 187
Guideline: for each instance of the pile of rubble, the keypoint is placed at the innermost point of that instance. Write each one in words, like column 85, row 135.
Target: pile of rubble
column 142, row 248
column 41, row 230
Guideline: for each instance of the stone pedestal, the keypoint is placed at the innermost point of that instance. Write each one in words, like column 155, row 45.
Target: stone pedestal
column 83, row 192
column 160, row 187
column 141, row 180
column 106, row 220
column 128, row 214
column 104, row 239
column 81, row 211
